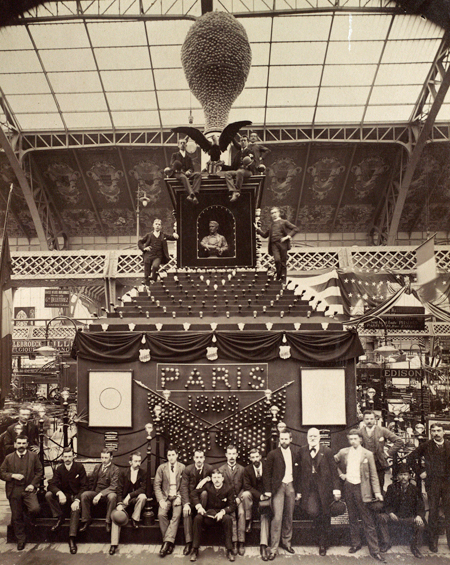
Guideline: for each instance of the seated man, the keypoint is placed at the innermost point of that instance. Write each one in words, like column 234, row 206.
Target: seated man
column 214, row 244
column 254, row 494
column 182, row 168
column 167, row 492
column 131, row 497
column 220, row 504
column 242, row 167
column 104, row 484
column 22, row 471
column 403, row 507
column 65, row 488
column 192, row 478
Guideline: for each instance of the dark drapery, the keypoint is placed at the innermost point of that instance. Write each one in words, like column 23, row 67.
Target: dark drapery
column 122, row 347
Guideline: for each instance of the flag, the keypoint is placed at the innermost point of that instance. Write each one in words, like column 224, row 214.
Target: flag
column 322, row 291
column 5, row 320
column 426, row 270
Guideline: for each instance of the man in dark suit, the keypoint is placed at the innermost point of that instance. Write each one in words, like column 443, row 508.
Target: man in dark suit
column 280, row 234
column 219, row 505
column 374, row 439
column 182, row 168
column 319, row 485
column 357, row 468
column 403, row 507
column 156, row 253
column 280, row 479
column 27, row 428
column 191, row 478
column 22, row 471
column 252, row 496
column 436, row 455
column 242, row 167
column 64, row 492
column 234, row 475
column 104, row 484
column 131, row 497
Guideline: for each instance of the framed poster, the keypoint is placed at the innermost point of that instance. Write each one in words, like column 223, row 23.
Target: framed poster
column 110, row 399
column 444, row 422
column 323, row 397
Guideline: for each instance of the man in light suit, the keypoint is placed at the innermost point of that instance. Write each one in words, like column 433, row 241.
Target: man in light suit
column 357, row 468
column 22, row 471
column 167, row 491
column 280, row 234
column 131, row 497
column 65, row 488
column 280, row 479
column 192, row 478
column 234, row 476
column 253, row 494
column 374, row 439
column 319, row 485
column 103, row 489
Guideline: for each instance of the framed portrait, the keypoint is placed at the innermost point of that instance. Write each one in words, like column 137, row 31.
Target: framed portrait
column 444, row 422
column 110, row 399
column 323, row 397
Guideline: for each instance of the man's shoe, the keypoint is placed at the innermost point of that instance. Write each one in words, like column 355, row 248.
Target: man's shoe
column 230, row 555
column 108, row 526
column 134, row 524
column 354, row 548
column 262, row 550
column 287, row 547
column 164, row 549
column 112, row 549
column 415, row 551
column 385, row 547
column 72, row 546
column 378, row 557
column 59, row 523
column 235, row 549
column 187, row 548
column 171, row 547
column 248, row 527
column 241, row 548
column 322, row 550
column 235, row 196
column 85, row 525
column 433, row 546
column 194, row 554
column 272, row 556
column 20, row 545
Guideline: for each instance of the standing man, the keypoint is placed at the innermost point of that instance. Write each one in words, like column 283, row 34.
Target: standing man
column 280, row 234
column 234, row 475
column 319, row 485
column 436, row 455
column 167, row 491
column 131, row 497
column 216, row 508
column 104, row 484
column 403, row 507
column 280, row 479
column 182, row 168
column 27, row 428
column 64, row 492
column 22, row 471
column 374, row 439
column 156, row 253
column 254, row 494
column 191, row 479
column 357, row 468
column 242, row 167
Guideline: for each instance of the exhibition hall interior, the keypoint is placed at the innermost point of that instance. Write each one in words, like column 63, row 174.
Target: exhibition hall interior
column 223, row 223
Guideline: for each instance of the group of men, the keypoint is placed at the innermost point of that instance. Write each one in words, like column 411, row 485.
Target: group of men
column 231, row 496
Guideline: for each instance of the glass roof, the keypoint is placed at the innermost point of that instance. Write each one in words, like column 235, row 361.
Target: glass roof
column 307, row 68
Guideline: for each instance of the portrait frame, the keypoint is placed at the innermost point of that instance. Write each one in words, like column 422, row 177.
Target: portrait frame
column 110, row 399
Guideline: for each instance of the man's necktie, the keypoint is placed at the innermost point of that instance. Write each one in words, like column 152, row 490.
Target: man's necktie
column 313, row 451
column 173, row 468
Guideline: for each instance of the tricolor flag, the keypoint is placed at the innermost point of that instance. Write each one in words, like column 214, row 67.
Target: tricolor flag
column 5, row 320
column 323, row 292
column 426, row 270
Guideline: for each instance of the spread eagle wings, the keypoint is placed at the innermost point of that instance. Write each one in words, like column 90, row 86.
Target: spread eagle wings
column 226, row 137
